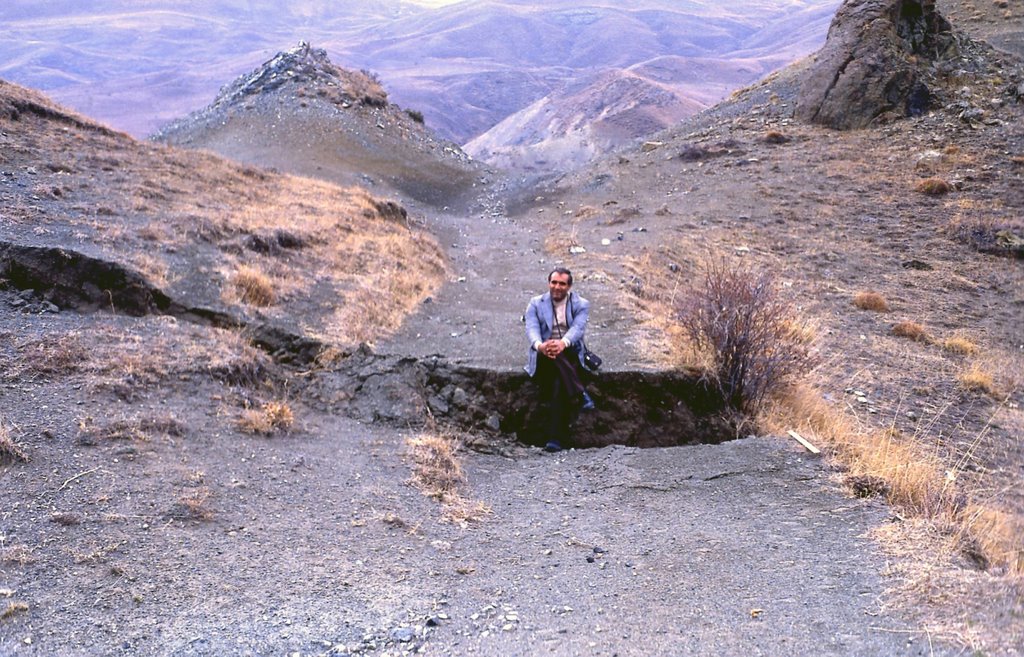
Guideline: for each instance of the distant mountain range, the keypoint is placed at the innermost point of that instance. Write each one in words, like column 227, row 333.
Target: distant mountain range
column 504, row 76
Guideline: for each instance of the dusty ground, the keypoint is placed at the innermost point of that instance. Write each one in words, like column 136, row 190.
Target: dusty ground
column 147, row 521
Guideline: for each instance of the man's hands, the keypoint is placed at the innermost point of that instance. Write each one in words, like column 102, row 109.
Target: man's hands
column 552, row 348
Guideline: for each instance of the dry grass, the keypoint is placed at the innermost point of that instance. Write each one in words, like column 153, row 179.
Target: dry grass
column 978, row 378
column 271, row 418
column 10, row 450
column 12, row 609
column 19, row 554
column 194, row 504
column 253, row 287
column 47, row 356
column 437, row 473
column 958, row 344
column 911, row 330
column 933, row 187
column 871, row 301
column 913, row 476
column 128, row 429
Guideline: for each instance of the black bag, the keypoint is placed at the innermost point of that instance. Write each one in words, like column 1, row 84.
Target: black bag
column 591, row 361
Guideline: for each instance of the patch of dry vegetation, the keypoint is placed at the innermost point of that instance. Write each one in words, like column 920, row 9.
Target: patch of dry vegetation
column 270, row 418
column 10, row 450
column 977, row 377
column 911, row 330
column 870, row 300
column 253, row 287
column 933, row 187
column 136, row 429
column 959, row 344
column 193, row 504
column 324, row 249
column 437, row 473
column 52, row 355
column 12, row 609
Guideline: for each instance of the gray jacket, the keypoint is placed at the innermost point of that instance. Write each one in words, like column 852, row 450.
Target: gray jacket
column 540, row 319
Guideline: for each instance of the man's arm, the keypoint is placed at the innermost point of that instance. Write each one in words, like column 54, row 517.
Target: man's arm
column 533, row 324
column 579, row 321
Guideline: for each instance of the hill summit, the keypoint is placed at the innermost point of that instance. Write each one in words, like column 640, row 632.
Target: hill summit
column 299, row 112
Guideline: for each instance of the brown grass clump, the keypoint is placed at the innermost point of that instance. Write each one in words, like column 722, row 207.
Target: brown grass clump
column 775, row 137
column 128, row 429
column 959, row 344
column 194, row 505
column 10, row 450
column 19, row 554
column 272, row 417
column 933, row 187
column 871, row 301
column 437, row 473
column 12, row 609
column 48, row 356
column 977, row 378
column 253, row 286
column 911, row 330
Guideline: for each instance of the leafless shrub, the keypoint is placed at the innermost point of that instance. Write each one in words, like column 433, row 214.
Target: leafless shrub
column 959, row 344
column 755, row 347
column 871, row 301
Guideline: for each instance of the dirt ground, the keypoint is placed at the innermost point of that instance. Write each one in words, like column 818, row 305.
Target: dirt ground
column 150, row 520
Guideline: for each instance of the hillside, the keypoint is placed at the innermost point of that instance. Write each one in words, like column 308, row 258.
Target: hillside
column 300, row 113
column 249, row 413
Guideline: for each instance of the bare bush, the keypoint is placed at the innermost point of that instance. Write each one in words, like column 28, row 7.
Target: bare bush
column 748, row 332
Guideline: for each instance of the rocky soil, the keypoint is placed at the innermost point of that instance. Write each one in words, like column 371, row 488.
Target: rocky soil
column 151, row 520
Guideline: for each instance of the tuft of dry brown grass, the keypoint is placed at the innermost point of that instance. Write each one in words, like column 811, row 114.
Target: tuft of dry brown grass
column 129, row 429
column 10, row 450
column 19, row 554
column 48, row 356
column 959, row 344
column 977, row 378
column 933, row 187
column 870, row 300
column 911, row 474
column 194, row 504
column 12, row 609
column 272, row 417
column 911, row 330
column 253, row 286
column 437, row 473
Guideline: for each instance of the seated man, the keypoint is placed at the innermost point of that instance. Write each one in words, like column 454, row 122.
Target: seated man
column 555, row 324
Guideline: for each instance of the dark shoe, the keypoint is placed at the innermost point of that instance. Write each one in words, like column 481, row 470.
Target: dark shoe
column 588, row 403
column 553, row 446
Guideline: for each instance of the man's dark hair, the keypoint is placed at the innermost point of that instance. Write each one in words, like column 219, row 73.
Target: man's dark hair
column 561, row 270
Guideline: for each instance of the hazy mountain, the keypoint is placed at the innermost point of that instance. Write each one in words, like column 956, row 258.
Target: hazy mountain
column 138, row 65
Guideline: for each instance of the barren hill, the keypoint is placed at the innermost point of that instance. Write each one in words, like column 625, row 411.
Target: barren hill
column 300, row 113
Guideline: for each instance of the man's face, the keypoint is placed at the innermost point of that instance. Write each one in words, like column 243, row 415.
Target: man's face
column 559, row 286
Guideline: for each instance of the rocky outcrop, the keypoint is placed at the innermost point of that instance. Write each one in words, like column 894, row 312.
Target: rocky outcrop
column 871, row 67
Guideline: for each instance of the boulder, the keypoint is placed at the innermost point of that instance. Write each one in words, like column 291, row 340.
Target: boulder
column 872, row 66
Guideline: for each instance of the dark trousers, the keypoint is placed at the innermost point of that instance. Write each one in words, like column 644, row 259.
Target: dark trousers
column 560, row 388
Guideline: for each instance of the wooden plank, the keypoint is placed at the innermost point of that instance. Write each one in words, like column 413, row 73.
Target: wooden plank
column 803, row 441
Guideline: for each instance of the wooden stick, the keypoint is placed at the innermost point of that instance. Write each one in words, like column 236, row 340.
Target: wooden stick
column 803, row 441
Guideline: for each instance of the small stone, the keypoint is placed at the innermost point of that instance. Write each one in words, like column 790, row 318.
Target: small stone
column 590, row 558
column 493, row 422
column 403, row 634
column 606, row 242
column 599, row 550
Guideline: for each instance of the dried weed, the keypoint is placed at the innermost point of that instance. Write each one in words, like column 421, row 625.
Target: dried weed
column 911, row 330
column 871, row 301
column 12, row 609
column 437, row 473
column 10, row 450
column 253, row 287
column 272, row 417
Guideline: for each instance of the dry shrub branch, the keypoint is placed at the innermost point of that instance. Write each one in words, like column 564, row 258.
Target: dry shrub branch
column 10, row 450
column 749, row 333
